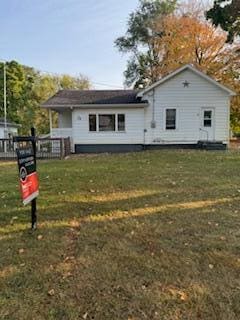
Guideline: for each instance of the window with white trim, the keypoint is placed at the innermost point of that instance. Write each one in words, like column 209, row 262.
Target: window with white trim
column 107, row 122
column 92, row 122
column 207, row 118
column 121, row 122
column 171, row 116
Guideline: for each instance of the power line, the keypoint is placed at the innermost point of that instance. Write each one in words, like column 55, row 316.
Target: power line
column 93, row 82
column 61, row 74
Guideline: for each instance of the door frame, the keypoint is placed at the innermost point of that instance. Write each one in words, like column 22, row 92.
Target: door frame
column 205, row 129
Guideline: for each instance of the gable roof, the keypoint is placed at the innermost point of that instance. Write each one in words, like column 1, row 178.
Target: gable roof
column 81, row 98
column 194, row 70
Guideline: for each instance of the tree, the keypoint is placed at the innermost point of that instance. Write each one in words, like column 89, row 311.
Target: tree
column 18, row 87
column 227, row 15
column 27, row 88
column 139, row 40
column 191, row 40
column 46, row 86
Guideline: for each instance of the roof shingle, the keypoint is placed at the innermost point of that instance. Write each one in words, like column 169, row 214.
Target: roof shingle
column 69, row 98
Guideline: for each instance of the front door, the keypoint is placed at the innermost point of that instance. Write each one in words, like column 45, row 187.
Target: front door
column 207, row 124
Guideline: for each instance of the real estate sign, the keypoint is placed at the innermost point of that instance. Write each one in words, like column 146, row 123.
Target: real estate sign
column 29, row 185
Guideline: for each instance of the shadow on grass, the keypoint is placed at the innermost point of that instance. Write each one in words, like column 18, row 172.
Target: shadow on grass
column 61, row 214
column 141, row 264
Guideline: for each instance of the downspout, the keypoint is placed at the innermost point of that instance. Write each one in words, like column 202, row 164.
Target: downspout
column 153, row 122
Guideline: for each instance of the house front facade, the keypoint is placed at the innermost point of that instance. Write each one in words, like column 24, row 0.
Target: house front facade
column 185, row 109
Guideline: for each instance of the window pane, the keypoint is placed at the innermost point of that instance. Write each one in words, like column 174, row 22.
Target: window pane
column 92, row 122
column 171, row 119
column 107, row 122
column 207, row 121
column 208, row 114
column 121, row 122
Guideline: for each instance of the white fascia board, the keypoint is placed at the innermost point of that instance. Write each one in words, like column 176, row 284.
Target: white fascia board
column 98, row 106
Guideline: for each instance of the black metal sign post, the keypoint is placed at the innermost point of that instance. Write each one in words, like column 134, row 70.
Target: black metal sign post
column 34, row 201
column 27, row 172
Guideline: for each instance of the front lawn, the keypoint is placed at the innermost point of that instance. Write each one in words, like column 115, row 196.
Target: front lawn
column 151, row 235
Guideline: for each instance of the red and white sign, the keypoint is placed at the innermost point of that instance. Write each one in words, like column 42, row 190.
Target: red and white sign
column 29, row 187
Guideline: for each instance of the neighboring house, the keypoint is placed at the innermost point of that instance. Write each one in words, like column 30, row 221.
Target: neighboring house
column 186, row 108
column 12, row 129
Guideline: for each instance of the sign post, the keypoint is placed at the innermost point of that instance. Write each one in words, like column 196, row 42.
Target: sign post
column 29, row 186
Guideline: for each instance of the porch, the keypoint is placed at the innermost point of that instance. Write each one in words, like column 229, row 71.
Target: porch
column 62, row 133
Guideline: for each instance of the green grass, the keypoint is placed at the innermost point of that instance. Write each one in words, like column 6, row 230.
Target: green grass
column 152, row 235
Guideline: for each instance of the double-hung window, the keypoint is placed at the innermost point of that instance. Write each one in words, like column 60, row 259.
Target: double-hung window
column 207, row 118
column 121, row 122
column 92, row 122
column 107, row 122
column 171, row 117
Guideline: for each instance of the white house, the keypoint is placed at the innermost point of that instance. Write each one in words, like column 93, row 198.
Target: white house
column 187, row 108
column 12, row 129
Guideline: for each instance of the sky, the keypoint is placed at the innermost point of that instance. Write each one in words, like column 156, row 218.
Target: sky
column 67, row 36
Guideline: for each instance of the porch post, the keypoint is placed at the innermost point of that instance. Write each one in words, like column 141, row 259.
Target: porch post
column 50, row 121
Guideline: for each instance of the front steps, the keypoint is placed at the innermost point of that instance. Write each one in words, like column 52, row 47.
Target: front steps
column 211, row 145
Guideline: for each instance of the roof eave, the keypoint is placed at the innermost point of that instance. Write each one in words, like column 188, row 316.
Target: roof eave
column 95, row 106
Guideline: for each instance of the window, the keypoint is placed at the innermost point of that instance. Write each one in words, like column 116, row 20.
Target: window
column 92, row 122
column 121, row 122
column 171, row 119
column 106, row 122
column 207, row 118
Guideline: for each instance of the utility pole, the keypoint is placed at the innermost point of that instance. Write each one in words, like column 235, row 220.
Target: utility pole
column 4, row 93
column 5, row 96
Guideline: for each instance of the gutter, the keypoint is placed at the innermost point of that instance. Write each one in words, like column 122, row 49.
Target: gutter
column 94, row 106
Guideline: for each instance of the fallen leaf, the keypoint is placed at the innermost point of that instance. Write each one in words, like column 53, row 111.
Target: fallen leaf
column 183, row 296
column 51, row 292
column 211, row 266
column 85, row 315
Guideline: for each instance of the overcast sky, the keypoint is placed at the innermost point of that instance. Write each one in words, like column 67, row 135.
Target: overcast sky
column 66, row 36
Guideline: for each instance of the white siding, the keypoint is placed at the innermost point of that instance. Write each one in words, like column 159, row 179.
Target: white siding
column 1, row 133
column 11, row 130
column 134, row 127
column 65, row 119
column 189, row 102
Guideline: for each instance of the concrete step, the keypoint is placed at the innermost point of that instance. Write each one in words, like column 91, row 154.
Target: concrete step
column 211, row 145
